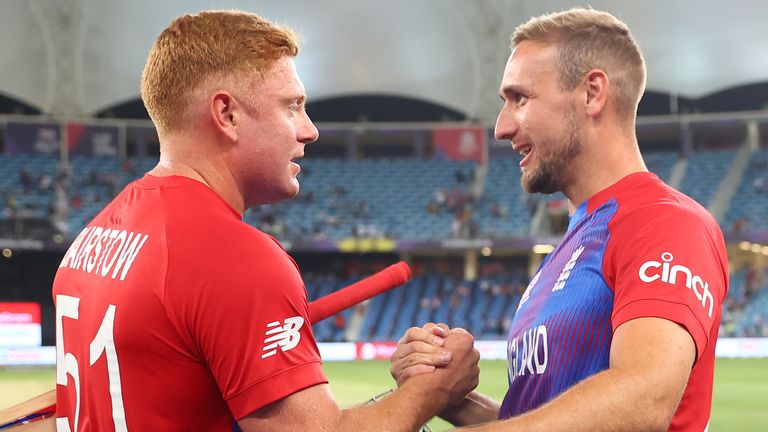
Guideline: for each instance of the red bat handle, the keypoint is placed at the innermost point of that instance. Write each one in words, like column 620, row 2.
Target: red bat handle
column 384, row 280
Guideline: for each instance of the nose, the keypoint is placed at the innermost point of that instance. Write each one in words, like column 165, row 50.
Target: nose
column 308, row 132
column 506, row 125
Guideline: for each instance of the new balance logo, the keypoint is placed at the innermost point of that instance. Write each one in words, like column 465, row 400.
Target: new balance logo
column 285, row 337
column 560, row 284
column 669, row 275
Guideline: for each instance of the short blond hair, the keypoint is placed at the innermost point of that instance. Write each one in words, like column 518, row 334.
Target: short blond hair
column 590, row 39
column 194, row 48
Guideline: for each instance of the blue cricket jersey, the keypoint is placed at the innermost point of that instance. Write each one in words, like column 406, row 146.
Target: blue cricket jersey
column 636, row 249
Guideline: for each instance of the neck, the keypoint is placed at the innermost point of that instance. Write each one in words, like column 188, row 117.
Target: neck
column 194, row 158
column 603, row 161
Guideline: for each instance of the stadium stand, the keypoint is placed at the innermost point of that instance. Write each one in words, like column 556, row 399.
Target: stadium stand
column 746, row 308
column 370, row 198
column 505, row 210
column 402, row 198
column 661, row 163
column 704, row 172
column 396, row 198
column 483, row 306
column 27, row 185
column 749, row 206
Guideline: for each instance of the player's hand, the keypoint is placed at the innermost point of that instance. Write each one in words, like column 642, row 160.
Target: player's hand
column 419, row 351
column 462, row 373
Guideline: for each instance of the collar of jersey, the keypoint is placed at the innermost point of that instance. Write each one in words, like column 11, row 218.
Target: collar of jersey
column 151, row 181
column 578, row 215
column 598, row 199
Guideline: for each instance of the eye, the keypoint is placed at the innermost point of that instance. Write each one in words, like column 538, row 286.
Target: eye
column 515, row 98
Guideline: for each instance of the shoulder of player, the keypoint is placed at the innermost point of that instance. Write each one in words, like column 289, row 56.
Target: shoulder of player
column 662, row 208
column 230, row 256
column 225, row 236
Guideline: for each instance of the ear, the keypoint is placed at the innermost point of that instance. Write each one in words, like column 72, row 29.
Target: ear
column 223, row 112
column 597, row 88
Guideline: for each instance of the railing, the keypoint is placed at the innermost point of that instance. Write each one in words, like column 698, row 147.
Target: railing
column 116, row 136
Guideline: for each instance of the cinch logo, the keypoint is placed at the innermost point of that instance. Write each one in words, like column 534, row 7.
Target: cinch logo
column 285, row 336
column 669, row 275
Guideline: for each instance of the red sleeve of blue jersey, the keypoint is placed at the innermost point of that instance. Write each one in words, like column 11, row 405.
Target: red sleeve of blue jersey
column 667, row 262
column 249, row 319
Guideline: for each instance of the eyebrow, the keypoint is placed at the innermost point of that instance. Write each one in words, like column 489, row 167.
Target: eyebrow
column 511, row 90
column 300, row 99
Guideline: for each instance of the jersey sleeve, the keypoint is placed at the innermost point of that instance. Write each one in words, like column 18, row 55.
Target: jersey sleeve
column 666, row 262
column 243, row 307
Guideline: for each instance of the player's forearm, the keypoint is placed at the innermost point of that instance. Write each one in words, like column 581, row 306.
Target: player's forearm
column 612, row 400
column 406, row 409
column 476, row 408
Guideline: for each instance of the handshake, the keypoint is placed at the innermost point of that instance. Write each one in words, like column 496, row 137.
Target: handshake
column 442, row 360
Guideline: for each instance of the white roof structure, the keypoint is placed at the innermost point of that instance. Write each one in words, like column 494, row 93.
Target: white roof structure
column 86, row 55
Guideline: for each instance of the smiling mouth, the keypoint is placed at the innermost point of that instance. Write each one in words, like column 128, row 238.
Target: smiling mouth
column 525, row 151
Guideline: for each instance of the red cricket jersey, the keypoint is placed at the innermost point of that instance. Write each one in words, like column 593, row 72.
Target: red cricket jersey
column 668, row 259
column 173, row 314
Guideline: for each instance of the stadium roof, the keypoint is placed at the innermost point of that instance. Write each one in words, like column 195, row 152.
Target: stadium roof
column 450, row 52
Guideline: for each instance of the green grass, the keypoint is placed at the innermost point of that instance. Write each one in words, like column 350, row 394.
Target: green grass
column 740, row 400
column 356, row 382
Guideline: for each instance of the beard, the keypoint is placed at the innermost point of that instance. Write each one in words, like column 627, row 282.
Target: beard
column 552, row 173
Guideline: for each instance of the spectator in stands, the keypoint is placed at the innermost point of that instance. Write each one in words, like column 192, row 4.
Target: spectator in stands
column 642, row 266
column 11, row 203
column 740, row 224
column 308, row 197
column 339, row 324
column 361, row 210
column 440, row 197
column 433, row 208
column 60, row 208
column 77, row 201
column 456, row 199
column 129, row 167
column 759, row 184
column 457, row 226
column 45, row 182
column 339, row 190
column 63, row 175
column 207, row 315
column 459, row 295
column 26, row 180
column 499, row 211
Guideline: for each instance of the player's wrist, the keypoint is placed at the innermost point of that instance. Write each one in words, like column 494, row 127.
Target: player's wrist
column 455, row 413
column 473, row 409
column 429, row 391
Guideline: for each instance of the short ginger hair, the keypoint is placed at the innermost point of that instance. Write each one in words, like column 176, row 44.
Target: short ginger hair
column 211, row 44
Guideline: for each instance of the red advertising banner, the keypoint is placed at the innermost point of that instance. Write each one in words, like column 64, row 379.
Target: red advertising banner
column 19, row 313
column 375, row 350
column 20, row 324
column 460, row 144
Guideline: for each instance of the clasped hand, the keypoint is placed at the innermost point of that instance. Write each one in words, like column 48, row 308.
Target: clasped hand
column 436, row 349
